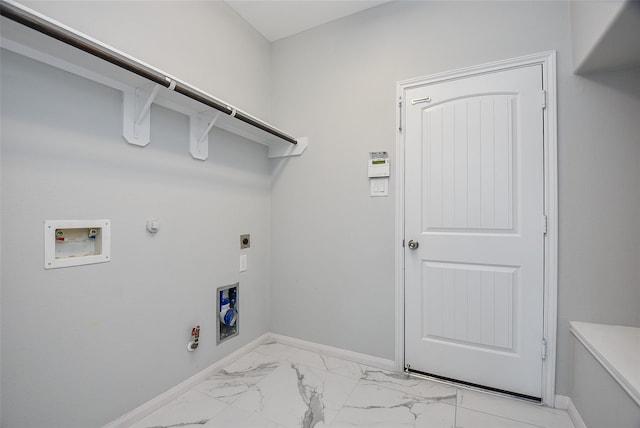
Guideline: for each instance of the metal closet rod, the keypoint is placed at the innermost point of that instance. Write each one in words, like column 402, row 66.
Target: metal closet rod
column 34, row 22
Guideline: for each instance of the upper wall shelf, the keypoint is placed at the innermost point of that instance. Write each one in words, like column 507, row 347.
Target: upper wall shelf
column 31, row 34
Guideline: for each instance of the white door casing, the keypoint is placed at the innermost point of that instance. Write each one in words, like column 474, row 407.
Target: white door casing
column 477, row 183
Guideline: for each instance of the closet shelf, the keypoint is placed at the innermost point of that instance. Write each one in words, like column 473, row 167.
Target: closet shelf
column 31, row 34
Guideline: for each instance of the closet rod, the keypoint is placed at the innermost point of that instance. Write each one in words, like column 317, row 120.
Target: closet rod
column 18, row 14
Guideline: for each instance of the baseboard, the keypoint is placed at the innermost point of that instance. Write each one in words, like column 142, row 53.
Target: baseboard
column 562, row 402
column 161, row 400
column 565, row 403
column 356, row 357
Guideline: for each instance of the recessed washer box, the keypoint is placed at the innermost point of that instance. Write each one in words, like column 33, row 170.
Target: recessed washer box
column 76, row 242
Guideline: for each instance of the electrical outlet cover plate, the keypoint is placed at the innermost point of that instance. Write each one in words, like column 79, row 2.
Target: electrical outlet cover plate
column 245, row 241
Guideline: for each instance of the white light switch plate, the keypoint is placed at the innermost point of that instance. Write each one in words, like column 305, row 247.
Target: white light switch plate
column 243, row 263
column 379, row 186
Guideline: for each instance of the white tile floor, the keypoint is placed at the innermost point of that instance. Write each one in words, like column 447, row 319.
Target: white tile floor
column 278, row 386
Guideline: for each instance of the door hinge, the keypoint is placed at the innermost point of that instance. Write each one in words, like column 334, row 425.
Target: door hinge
column 544, row 349
column 400, row 114
column 545, row 224
column 403, row 243
column 543, row 99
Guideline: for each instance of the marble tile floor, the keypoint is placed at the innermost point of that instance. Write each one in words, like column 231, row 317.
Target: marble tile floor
column 278, row 386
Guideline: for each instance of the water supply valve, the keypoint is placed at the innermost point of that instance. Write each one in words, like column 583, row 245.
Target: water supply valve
column 227, row 302
column 195, row 336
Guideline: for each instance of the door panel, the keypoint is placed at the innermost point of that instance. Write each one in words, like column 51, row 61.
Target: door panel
column 474, row 202
column 470, row 184
column 469, row 304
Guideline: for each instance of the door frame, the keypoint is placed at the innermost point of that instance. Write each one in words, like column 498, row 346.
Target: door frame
column 550, row 288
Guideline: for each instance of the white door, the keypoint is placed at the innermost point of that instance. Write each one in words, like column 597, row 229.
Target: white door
column 474, row 205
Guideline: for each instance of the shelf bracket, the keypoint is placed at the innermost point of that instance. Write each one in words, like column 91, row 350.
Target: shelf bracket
column 283, row 149
column 199, row 126
column 136, row 113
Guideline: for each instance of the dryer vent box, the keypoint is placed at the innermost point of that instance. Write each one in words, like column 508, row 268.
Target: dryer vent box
column 76, row 242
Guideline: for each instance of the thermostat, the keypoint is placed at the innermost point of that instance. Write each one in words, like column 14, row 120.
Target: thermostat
column 378, row 164
column 378, row 172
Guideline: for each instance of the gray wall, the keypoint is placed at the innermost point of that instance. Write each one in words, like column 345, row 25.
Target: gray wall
column 205, row 43
column 332, row 257
column 81, row 346
column 590, row 22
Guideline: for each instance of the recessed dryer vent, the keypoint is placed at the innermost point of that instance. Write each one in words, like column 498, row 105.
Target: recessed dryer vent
column 228, row 315
column 76, row 242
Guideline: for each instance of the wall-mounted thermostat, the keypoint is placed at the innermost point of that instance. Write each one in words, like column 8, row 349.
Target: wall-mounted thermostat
column 76, row 242
column 378, row 164
column 378, row 173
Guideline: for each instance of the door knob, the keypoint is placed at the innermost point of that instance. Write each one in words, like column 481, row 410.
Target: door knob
column 413, row 245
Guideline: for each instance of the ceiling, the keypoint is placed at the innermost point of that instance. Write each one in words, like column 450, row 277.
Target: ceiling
column 276, row 19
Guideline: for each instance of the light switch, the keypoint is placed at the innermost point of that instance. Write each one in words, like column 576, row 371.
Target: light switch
column 379, row 186
column 243, row 263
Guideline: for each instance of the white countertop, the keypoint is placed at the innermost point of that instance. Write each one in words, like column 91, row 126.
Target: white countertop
column 617, row 348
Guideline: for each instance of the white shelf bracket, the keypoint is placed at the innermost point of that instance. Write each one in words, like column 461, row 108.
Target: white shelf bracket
column 284, row 149
column 199, row 126
column 136, row 114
